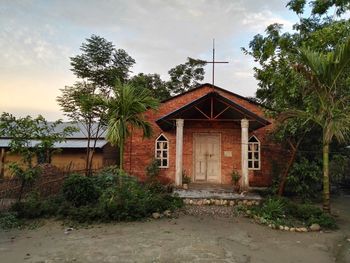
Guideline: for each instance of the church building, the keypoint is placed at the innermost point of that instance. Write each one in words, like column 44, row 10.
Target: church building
column 206, row 133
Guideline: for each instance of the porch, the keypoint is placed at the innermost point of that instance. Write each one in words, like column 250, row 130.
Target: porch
column 212, row 139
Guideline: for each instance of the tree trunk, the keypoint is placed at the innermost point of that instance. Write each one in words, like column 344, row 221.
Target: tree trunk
column 2, row 162
column 286, row 172
column 326, row 185
column 290, row 164
column 21, row 190
column 121, row 153
column 87, row 159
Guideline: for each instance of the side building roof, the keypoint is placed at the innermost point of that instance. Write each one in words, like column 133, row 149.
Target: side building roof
column 77, row 140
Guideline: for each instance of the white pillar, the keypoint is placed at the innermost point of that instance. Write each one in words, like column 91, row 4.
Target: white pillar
column 244, row 149
column 179, row 151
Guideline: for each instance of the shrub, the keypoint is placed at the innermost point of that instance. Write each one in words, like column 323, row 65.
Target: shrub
column 34, row 206
column 80, row 190
column 82, row 214
column 9, row 220
column 132, row 201
column 339, row 167
column 282, row 211
column 272, row 209
column 324, row 220
column 152, row 170
column 117, row 196
column 109, row 176
column 31, row 208
column 304, row 179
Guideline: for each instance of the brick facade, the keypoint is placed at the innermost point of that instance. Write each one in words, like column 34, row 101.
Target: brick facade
column 139, row 152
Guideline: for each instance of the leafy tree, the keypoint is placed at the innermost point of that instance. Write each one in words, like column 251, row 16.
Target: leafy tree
column 280, row 86
column 320, row 7
column 81, row 104
column 30, row 137
column 101, row 63
column 126, row 108
column 98, row 68
column 157, row 87
column 327, row 100
column 186, row 76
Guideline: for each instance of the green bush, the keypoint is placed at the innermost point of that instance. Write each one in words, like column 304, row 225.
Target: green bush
column 82, row 214
column 9, row 220
column 272, row 209
column 152, row 170
column 108, row 177
column 282, row 211
column 80, row 190
column 112, row 195
column 34, row 206
column 324, row 220
column 132, row 200
column 304, row 179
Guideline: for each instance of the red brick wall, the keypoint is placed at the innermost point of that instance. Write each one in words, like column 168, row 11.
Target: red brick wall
column 139, row 152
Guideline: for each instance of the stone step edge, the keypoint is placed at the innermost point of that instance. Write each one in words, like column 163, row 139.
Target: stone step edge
column 221, row 202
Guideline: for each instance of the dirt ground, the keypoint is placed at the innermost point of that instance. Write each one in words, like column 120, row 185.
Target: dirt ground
column 185, row 239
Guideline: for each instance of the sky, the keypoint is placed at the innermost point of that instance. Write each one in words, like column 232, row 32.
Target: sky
column 37, row 38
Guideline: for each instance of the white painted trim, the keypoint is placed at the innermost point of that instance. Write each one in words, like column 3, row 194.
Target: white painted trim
column 179, row 152
column 155, row 150
column 259, row 152
column 244, row 154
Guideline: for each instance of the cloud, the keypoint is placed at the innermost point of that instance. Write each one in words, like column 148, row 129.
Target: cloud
column 21, row 46
column 40, row 36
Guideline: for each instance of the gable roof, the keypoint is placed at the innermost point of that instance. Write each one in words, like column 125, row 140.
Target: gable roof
column 223, row 110
column 215, row 87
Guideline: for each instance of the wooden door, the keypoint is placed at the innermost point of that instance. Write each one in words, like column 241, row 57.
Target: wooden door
column 207, row 158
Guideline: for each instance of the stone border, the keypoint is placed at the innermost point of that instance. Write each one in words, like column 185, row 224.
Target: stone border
column 262, row 221
column 219, row 202
column 248, row 203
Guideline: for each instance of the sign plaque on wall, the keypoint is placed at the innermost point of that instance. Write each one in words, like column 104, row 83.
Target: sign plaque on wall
column 228, row 153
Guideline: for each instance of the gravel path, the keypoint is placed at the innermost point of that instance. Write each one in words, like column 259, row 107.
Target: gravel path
column 212, row 211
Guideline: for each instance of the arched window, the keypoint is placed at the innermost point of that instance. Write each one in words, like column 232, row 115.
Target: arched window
column 162, row 151
column 253, row 153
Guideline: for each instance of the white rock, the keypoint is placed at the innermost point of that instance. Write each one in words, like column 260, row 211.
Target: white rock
column 167, row 213
column 315, row 227
column 303, row 229
column 156, row 215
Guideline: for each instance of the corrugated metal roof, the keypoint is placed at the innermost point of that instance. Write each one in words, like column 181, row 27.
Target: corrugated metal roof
column 76, row 140
column 81, row 133
column 70, row 143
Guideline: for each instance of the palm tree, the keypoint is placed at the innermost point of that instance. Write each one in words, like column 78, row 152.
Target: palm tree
column 328, row 100
column 126, row 110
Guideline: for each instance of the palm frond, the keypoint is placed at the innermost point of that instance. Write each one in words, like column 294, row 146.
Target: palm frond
column 126, row 109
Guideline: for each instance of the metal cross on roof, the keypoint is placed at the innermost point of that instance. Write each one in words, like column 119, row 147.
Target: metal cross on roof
column 213, row 62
